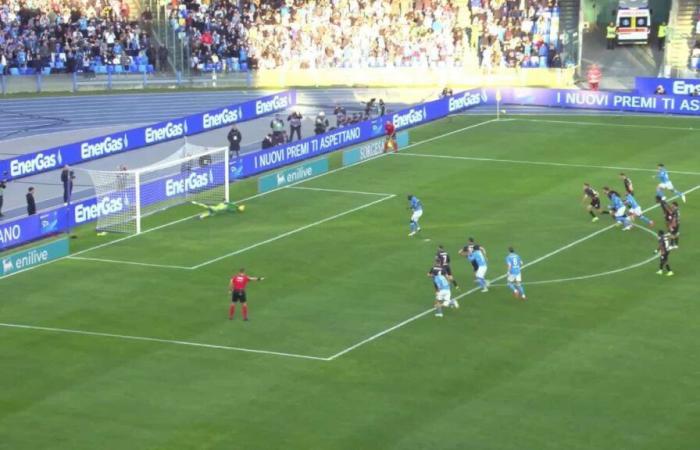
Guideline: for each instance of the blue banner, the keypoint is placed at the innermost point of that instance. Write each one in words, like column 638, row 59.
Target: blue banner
column 603, row 100
column 255, row 162
column 32, row 228
column 670, row 86
column 371, row 149
column 123, row 141
column 196, row 179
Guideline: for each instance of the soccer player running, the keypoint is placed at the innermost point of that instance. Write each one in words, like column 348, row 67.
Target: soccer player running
column 664, row 251
column 218, row 208
column 592, row 195
column 514, row 273
column 467, row 250
column 617, row 208
column 480, row 259
column 636, row 211
column 417, row 207
column 629, row 187
column 237, row 288
column 443, row 259
column 443, row 295
column 665, row 183
column 674, row 225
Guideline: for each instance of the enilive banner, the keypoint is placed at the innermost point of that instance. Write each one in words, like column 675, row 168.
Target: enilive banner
column 612, row 101
column 255, row 162
column 34, row 256
column 123, row 141
column 672, row 86
column 292, row 175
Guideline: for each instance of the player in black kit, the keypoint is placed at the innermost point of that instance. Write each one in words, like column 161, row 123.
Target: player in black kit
column 592, row 195
column 674, row 225
column 443, row 258
column 629, row 187
column 663, row 251
column 468, row 249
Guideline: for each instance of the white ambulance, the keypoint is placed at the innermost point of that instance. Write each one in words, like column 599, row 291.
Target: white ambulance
column 633, row 22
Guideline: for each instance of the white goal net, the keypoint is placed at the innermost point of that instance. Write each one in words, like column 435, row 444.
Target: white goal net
column 192, row 173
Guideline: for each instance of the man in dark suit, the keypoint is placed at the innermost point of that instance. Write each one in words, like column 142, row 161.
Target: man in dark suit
column 67, row 177
column 31, row 203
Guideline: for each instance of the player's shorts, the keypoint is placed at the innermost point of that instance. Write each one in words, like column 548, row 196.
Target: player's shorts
column 675, row 230
column 667, row 185
column 443, row 295
column 663, row 258
column 515, row 278
column 238, row 296
column 481, row 272
column 447, row 270
column 595, row 202
column 416, row 215
column 619, row 212
column 636, row 211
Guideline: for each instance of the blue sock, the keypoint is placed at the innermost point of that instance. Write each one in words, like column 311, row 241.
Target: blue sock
column 659, row 193
column 413, row 226
column 481, row 282
column 522, row 290
column 438, row 308
column 678, row 193
column 511, row 286
column 645, row 219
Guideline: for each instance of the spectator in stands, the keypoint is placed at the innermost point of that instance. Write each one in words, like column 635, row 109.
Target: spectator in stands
column 31, row 203
column 340, row 116
column 67, row 177
column 234, row 142
column 267, row 142
column 321, row 123
column 3, row 186
column 294, row 120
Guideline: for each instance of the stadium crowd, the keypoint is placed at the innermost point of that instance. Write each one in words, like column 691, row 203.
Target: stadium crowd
column 368, row 33
column 72, row 36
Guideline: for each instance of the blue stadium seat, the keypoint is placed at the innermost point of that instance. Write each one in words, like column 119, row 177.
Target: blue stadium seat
column 14, row 71
column 244, row 66
column 118, row 69
column 150, row 68
column 133, row 69
column 46, row 71
column 110, row 69
column 142, row 68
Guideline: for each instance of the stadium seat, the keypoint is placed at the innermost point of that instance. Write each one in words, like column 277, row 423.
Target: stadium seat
column 118, row 69
column 14, row 71
column 46, row 71
column 142, row 68
column 244, row 67
column 150, row 68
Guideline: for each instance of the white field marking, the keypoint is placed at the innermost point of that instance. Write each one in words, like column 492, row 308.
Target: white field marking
column 132, row 263
column 158, row 340
column 586, row 277
column 540, row 163
column 289, row 233
column 254, row 196
column 471, row 291
column 603, row 124
column 340, row 191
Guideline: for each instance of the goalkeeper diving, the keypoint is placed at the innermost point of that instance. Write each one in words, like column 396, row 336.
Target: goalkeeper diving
column 212, row 210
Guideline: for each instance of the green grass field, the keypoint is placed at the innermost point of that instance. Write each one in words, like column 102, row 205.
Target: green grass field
column 342, row 351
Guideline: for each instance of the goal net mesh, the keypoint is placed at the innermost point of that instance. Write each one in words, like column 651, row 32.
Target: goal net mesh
column 192, row 173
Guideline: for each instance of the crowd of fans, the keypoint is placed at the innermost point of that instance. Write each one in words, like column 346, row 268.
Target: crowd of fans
column 72, row 36
column 368, row 33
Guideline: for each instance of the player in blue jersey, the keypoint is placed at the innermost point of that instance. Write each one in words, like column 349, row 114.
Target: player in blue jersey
column 665, row 183
column 442, row 294
column 515, row 266
column 617, row 209
column 636, row 211
column 478, row 257
column 416, row 206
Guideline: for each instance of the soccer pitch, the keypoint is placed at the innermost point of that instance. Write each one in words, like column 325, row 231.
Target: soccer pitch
column 126, row 344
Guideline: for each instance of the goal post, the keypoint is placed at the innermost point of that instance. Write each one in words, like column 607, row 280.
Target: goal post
column 125, row 197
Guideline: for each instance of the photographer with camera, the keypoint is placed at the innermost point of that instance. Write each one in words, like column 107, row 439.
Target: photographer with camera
column 67, row 177
column 321, row 123
column 277, row 126
column 294, row 120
